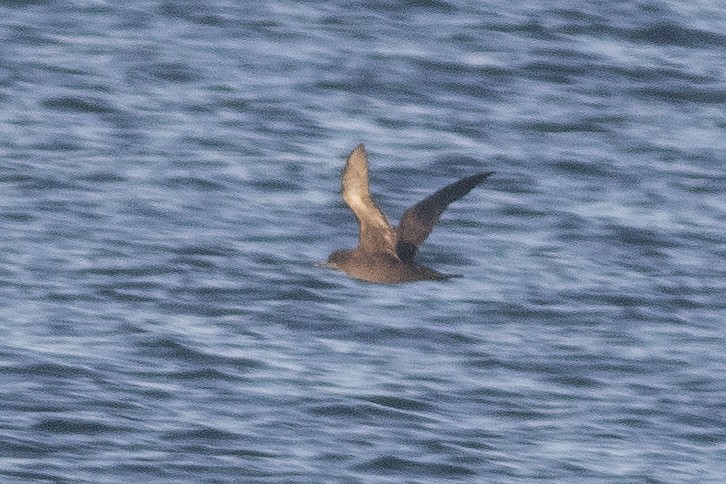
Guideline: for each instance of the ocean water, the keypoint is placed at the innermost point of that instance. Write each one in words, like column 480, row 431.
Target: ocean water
column 169, row 176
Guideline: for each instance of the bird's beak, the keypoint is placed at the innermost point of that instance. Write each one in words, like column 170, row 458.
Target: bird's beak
column 325, row 265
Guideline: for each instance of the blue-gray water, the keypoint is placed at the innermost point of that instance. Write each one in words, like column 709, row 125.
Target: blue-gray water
column 169, row 175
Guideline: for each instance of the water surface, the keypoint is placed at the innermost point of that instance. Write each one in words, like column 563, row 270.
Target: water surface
column 169, row 175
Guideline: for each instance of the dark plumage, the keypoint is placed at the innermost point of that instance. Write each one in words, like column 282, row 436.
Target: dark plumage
column 383, row 254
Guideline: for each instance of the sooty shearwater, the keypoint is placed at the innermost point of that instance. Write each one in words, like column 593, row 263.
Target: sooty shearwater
column 383, row 254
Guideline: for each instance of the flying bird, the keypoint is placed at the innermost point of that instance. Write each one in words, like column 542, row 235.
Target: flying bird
column 384, row 254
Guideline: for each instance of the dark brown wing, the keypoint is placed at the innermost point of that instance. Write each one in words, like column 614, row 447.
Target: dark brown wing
column 419, row 220
column 376, row 234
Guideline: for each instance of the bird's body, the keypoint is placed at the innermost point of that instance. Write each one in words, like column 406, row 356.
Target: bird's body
column 385, row 255
column 380, row 267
